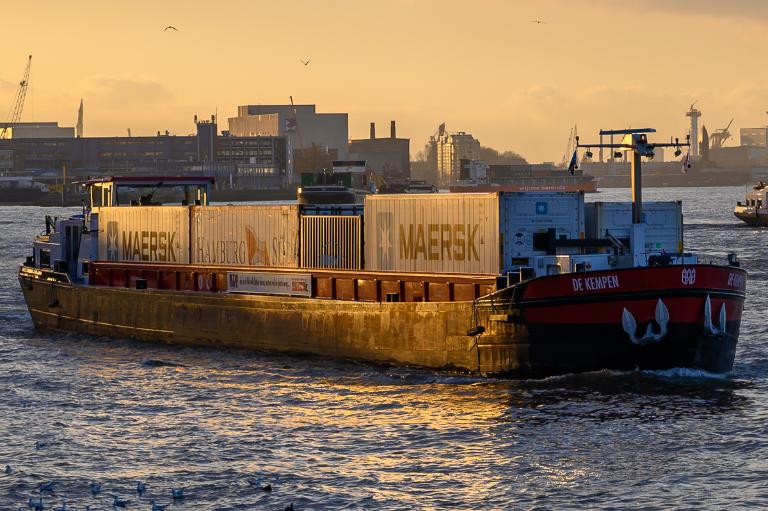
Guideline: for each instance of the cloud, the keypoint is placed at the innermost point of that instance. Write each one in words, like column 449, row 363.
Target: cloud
column 755, row 11
column 125, row 91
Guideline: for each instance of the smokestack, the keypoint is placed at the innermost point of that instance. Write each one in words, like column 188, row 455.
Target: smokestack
column 373, row 130
column 392, row 131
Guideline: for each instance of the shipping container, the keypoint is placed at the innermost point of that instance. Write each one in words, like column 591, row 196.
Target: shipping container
column 332, row 242
column 259, row 235
column 663, row 221
column 435, row 233
column 145, row 233
column 528, row 216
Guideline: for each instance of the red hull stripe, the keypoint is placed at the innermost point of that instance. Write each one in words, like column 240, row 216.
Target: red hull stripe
column 698, row 278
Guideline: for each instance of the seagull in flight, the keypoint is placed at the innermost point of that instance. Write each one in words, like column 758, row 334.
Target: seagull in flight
column 305, row 62
column 538, row 22
column 170, row 27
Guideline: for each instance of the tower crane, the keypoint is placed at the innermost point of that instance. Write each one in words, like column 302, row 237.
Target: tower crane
column 14, row 114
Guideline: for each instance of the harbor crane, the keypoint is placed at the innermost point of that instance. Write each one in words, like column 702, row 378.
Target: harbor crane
column 636, row 142
column 14, row 114
column 719, row 137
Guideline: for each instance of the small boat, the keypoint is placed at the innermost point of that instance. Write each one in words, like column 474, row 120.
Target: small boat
column 754, row 209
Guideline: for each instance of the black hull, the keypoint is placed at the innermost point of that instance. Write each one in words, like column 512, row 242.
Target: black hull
column 753, row 220
column 550, row 350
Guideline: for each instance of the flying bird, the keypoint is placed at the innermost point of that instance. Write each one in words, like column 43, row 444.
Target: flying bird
column 538, row 22
column 170, row 27
column 306, row 63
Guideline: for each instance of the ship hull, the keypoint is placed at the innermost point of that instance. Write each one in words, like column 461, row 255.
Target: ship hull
column 541, row 328
column 752, row 218
column 587, row 186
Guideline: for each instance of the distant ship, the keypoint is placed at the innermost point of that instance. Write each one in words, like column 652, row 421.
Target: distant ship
column 543, row 177
column 754, row 210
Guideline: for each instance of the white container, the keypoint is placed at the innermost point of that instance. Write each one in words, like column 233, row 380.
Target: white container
column 527, row 214
column 332, row 242
column 259, row 235
column 434, row 233
column 663, row 223
column 144, row 233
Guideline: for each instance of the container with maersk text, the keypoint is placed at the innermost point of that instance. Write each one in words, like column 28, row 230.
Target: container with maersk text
column 147, row 233
column 433, row 233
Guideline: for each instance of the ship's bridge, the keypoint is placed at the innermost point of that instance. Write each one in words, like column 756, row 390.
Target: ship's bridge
column 148, row 191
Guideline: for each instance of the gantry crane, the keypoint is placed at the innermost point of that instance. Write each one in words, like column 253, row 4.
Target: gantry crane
column 14, row 114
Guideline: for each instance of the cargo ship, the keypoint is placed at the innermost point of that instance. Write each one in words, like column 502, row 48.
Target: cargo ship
column 496, row 284
column 754, row 210
column 524, row 178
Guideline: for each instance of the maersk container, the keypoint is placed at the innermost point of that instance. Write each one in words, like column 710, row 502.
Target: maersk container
column 663, row 221
column 145, row 233
column 332, row 242
column 434, row 233
column 259, row 235
column 530, row 215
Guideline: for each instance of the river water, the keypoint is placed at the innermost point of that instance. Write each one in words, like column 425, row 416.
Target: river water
column 342, row 435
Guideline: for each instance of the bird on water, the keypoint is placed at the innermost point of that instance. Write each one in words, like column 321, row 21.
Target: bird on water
column 158, row 507
column 118, row 502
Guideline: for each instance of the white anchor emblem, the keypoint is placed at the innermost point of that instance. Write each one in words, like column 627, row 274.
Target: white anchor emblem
column 708, row 325
column 629, row 324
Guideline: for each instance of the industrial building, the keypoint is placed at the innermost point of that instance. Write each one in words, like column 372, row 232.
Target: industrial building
column 388, row 158
column 754, row 137
column 238, row 162
column 313, row 139
column 37, row 130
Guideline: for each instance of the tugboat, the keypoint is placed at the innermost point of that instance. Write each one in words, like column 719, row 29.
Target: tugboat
column 503, row 285
column 754, row 210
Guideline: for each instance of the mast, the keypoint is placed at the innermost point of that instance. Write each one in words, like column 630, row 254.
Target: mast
column 635, row 140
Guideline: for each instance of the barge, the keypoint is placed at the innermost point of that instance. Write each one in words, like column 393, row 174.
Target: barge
column 512, row 285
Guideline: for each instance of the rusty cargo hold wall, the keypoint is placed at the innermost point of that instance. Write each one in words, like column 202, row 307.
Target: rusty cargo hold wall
column 332, row 242
column 146, row 233
column 435, row 233
column 258, row 235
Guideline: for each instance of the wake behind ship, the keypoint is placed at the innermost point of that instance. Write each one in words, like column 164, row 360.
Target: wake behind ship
column 504, row 284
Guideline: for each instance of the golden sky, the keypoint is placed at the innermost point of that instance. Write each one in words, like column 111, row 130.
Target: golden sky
column 479, row 66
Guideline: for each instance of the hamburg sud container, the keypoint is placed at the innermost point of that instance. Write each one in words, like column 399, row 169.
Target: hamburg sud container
column 262, row 235
column 146, row 233
column 663, row 221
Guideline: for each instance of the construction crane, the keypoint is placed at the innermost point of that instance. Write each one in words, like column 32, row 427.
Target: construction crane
column 719, row 137
column 14, row 114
